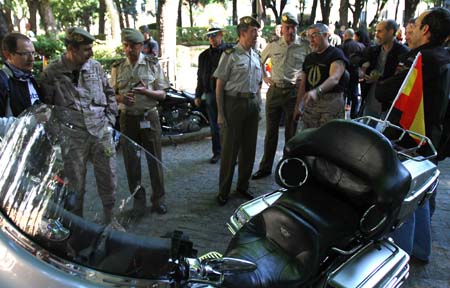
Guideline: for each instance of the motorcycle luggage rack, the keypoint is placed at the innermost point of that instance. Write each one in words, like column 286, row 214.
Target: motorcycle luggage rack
column 408, row 152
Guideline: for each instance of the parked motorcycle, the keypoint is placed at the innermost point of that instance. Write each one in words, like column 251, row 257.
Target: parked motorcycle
column 179, row 115
column 327, row 226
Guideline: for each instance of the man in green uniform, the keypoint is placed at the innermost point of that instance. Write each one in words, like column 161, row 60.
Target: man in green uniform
column 139, row 83
column 77, row 83
column 287, row 55
column 239, row 78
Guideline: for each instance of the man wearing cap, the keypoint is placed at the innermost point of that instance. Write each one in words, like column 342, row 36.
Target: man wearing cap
column 139, row 83
column 206, row 84
column 239, row 78
column 287, row 55
column 320, row 95
column 77, row 83
column 151, row 47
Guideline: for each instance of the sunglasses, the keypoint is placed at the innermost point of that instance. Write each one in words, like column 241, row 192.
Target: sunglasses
column 213, row 35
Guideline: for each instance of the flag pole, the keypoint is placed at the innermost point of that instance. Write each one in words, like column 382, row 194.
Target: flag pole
column 403, row 86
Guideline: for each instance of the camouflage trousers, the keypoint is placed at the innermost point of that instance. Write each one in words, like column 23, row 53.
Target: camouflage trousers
column 329, row 106
column 79, row 147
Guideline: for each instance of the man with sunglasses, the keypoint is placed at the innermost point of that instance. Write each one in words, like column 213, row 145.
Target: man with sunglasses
column 320, row 97
column 206, row 84
column 18, row 88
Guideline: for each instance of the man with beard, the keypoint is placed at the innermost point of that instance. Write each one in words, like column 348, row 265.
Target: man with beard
column 320, row 96
column 287, row 55
column 139, row 83
column 379, row 63
column 239, row 78
column 18, row 89
column 428, row 36
column 206, row 85
column 77, row 83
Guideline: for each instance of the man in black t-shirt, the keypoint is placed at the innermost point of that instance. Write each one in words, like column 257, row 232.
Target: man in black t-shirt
column 320, row 95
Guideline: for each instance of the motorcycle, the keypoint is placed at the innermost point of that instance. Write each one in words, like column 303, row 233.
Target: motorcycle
column 178, row 114
column 326, row 227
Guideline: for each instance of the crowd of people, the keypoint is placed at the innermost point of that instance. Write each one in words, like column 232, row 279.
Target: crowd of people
column 312, row 76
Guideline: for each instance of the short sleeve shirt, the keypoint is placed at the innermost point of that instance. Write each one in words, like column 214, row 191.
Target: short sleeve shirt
column 125, row 76
column 317, row 68
column 240, row 69
column 287, row 60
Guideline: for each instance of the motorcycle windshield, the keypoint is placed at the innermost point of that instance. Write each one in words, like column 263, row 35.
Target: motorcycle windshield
column 49, row 164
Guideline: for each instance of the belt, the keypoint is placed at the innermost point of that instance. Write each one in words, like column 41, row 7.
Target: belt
column 283, row 85
column 242, row 95
column 138, row 113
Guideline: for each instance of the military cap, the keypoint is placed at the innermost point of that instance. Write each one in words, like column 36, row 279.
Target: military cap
column 78, row 35
column 249, row 21
column 132, row 35
column 289, row 18
column 144, row 29
column 213, row 29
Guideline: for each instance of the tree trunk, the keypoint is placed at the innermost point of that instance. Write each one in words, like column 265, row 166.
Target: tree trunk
column 45, row 10
column 168, row 31
column 115, row 21
column 273, row 5
column 380, row 7
column 33, row 8
column 358, row 7
column 118, row 8
column 410, row 9
column 343, row 12
column 235, row 18
column 325, row 6
column 312, row 18
column 101, row 19
column 191, row 17
column 179, row 19
column 3, row 25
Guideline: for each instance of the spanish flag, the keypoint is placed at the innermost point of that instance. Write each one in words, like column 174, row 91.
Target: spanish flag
column 409, row 99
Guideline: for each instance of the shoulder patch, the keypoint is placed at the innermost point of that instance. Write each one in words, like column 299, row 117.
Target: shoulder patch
column 118, row 62
column 229, row 50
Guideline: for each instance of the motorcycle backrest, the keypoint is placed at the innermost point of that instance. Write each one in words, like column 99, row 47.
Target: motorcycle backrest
column 357, row 162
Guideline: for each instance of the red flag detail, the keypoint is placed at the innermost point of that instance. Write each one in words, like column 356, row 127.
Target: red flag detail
column 410, row 101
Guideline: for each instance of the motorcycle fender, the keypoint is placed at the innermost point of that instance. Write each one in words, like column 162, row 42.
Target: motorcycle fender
column 381, row 264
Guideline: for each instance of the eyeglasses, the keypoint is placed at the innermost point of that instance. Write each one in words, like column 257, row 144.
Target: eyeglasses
column 26, row 54
column 313, row 35
column 213, row 35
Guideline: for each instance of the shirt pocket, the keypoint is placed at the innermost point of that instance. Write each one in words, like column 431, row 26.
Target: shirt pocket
column 94, row 86
column 149, row 80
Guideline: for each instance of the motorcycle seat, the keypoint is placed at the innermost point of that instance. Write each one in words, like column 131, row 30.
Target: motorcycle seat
column 357, row 163
column 290, row 239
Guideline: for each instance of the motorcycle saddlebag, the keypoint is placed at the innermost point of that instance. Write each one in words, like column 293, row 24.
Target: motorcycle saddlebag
column 379, row 264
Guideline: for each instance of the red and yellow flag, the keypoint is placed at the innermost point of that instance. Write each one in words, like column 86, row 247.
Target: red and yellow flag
column 410, row 99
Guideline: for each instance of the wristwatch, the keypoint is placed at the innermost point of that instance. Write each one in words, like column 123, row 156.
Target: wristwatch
column 319, row 91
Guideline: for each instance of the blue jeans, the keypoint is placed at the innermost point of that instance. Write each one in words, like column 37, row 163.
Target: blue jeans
column 414, row 236
column 211, row 109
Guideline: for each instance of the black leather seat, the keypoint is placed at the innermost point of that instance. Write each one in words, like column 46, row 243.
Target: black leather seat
column 355, row 174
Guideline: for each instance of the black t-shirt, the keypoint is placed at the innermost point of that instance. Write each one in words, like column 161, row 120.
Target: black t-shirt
column 317, row 68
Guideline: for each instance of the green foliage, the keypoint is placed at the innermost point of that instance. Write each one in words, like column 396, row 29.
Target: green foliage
column 191, row 36
column 49, row 46
column 75, row 12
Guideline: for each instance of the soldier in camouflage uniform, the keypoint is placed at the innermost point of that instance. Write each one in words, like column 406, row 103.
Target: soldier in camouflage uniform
column 77, row 83
column 139, row 83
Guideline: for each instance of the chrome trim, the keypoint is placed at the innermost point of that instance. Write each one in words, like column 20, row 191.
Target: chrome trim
column 73, row 269
column 301, row 181
column 382, row 221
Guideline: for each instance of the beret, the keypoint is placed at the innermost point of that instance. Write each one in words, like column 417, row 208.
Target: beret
column 289, row 18
column 249, row 21
column 132, row 35
column 78, row 35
